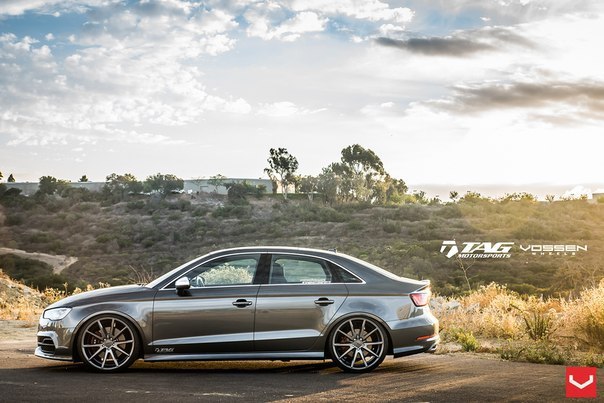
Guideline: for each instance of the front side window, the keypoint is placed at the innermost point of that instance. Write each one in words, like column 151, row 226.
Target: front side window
column 299, row 270
column 229, row 270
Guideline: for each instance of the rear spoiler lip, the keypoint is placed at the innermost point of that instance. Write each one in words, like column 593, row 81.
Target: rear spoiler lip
column 424, row 287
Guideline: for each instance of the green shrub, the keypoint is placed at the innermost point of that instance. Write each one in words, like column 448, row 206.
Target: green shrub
column 538, row 353
column 544, row 353
column 468, row 341
column 15, row 219
column 391, row 227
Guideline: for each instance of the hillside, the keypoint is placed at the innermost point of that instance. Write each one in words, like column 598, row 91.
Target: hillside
column 146, row 236
column 19, row 302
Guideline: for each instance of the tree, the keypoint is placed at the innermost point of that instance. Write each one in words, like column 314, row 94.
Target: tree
column 163, row 184
column 48, row 185
column 84, row 178
column 1, row 176
column 121, row 185
column 453, row 195
column 308, row 185
column 360, row 169
column 11, row 178
column 328, row 185
column 282, row 168
column 550, row 198
column 216, row 181
column 389, row 191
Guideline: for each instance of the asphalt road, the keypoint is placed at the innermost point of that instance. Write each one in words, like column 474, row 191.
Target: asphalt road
column 424, row 377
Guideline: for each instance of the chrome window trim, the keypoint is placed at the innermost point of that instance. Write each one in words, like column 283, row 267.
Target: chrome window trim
column 267, row 284
column 211, row 260
column 316, row 257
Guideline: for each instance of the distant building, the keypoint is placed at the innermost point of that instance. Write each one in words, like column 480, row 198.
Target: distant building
column 191, row 186
column 597, row 197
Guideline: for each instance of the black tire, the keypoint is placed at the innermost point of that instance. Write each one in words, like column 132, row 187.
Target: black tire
column 108, row 343
column 358, row 344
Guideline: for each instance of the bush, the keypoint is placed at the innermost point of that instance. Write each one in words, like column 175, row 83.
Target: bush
column 391, row 227
column 15, row 219
column 585, row 316
column 468, row 341
column 538, row 353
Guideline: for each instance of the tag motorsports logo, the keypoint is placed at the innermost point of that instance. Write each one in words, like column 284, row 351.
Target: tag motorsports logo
column 502, row 250
column 477, row 250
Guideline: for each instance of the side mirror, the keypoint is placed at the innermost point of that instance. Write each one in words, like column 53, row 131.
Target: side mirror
column 182, row 285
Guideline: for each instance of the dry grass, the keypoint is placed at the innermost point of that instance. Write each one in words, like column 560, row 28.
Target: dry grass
column 20, row 302
column 549, row 330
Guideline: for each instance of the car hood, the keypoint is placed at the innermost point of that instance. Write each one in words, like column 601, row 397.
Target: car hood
column 102, row 294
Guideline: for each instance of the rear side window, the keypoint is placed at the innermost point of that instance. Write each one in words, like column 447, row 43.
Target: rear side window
column 288, row 269
column 344, row 276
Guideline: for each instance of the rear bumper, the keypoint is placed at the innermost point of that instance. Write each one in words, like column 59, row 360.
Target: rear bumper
column 427, row 346
column 414, row 335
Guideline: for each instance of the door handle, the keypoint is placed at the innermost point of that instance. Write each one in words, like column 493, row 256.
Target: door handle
column 324, row 301
column 242, row 303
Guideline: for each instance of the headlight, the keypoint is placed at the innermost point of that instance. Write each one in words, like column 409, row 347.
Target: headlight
column 56, row 313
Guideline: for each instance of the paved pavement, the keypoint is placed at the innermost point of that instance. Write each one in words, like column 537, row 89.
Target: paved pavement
column 424, row 377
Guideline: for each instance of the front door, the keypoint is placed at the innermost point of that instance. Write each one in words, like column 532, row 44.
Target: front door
column 216, row 315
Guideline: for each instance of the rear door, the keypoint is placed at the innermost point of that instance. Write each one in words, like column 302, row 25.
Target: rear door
column 302, row 295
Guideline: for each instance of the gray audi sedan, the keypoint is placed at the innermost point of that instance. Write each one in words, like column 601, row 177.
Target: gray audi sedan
column 257, row 303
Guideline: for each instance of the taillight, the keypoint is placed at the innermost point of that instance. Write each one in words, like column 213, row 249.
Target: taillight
column 421, row 298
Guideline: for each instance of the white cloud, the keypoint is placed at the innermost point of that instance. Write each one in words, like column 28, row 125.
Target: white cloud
column 132, row 68
column 18, row 7
column 285, row 109
column 372, row 10
column 279, row 109
column 289, row 30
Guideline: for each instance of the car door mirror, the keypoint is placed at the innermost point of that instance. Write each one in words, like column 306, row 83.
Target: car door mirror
column 182, row 285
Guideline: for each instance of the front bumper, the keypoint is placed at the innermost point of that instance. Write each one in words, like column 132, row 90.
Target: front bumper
column 54, row 340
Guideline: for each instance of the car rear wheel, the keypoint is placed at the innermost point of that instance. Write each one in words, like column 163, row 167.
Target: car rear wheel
column 108, row 343
column 358, row 344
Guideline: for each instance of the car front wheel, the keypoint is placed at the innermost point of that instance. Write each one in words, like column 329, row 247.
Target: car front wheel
column 108, row 343
column 358, row 344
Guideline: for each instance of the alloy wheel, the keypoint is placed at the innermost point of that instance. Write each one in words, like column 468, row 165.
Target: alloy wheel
column 108, row 344
column 358, row 345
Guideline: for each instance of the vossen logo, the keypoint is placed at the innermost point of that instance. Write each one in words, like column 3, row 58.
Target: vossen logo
column 554, row 250
column 477, row 250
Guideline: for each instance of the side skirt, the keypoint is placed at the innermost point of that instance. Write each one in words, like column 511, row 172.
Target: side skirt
column 304, row 355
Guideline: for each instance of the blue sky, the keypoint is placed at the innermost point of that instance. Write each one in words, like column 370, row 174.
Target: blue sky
column 460, row 92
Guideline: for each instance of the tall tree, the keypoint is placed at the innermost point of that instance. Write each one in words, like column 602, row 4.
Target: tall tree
column 11, row 178
column 308, row 185
column 48, row 185
column 360, row 169
column 281, row 167
column 120, row 185
column 163, row 184
column 84, row 178
column 217, row 181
